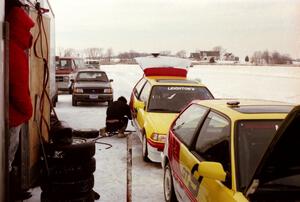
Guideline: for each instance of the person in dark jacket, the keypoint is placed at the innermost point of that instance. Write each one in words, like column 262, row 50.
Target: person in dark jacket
column 117, row 116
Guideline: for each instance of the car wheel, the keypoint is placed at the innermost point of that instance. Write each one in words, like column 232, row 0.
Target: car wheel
column 169, row 192
column 79, row 151
column 145, row 149
column 86, row 133
column 59, row 170
column 74, row 197
column 74, row 102
column 68, row 187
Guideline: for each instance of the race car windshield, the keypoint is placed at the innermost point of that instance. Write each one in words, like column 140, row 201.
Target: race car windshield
column 174, row 98
column 253, row 139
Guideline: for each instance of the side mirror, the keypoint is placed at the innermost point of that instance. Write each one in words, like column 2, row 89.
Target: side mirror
column 139, row 104
column 111, row 80
column 212, row 170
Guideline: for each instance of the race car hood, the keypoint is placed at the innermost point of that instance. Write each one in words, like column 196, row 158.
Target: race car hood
column 281, row 159
column 96, row 84
column 161, row 122
column 164, row 66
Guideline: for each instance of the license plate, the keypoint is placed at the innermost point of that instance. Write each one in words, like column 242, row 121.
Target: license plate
column 93, row 96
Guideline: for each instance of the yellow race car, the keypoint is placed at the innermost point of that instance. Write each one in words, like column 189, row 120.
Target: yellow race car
column 158, row 97
column 233, row 150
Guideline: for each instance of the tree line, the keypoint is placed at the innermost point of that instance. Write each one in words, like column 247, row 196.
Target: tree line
column 258, row 57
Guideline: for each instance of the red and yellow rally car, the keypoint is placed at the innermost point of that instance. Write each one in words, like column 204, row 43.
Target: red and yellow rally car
column 158, row 97
column 227, row 150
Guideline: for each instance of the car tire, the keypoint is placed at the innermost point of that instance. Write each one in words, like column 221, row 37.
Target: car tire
column 169, row 192
column 79, row 151
column 74, row 197
column 86, row 133
column 58, row 169
column 74, row 102
column 68, row 187
column 145, row 149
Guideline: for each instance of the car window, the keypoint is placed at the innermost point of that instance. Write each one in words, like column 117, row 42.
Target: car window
column 175, row 98
column 92, row 76
column 213, row 140
column 137, row 89
column 65, row 63
column 187, row 123
column 253, row 138
column 145, row 92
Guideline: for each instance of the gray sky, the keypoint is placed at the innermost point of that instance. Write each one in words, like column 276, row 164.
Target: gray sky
column 239, row 26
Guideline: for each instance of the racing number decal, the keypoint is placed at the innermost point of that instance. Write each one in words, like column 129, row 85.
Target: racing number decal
column 195, row 182
column 192, row 182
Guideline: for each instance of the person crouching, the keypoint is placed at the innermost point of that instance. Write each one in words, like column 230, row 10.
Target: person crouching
column 117, row 115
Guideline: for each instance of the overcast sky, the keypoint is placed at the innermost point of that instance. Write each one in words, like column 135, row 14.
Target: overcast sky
column 239, row 26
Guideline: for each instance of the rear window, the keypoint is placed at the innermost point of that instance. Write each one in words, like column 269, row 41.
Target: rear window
column 175, row 98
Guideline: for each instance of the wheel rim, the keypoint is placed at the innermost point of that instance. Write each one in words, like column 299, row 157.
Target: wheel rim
column 167, row 184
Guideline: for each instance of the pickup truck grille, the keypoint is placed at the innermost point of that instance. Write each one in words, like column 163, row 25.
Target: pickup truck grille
column 93, row 91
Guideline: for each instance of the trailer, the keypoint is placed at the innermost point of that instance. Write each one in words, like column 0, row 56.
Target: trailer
column 41, row 60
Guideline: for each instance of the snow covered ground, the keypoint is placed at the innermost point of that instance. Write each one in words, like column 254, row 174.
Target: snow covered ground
column 271, row 83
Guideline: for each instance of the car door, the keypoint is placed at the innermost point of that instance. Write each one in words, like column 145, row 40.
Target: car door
column 212, row 144
column 141, row 109
column 183, row 134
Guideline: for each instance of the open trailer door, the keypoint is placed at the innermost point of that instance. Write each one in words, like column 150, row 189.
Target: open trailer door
column 3, row 103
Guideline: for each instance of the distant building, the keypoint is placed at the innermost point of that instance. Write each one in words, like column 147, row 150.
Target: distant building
column 205, row 55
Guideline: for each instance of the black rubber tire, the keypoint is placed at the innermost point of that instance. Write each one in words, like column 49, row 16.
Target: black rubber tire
column 86, row 133
column 68, row 187
column 168, row 184
column 145, row 149
column 60, row 170
column 84, row 197
column 61, row 133
column 79, row 151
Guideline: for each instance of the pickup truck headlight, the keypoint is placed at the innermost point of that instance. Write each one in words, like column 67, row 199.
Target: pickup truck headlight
column 108, row 90
column 158, row 137
column 66, row 78
column 78, row 90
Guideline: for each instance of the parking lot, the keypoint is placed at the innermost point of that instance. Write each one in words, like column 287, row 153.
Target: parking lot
column 271, row 83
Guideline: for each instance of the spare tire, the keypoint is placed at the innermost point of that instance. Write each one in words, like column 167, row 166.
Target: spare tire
column 68, row 187
column 60, row 170
column 86, row 133
column 79, row 151
column 74, row 197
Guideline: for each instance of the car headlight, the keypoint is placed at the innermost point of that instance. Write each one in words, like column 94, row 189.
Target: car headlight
column 78, row 90
column 66, row 78
column 108, row 90
column 158, row 137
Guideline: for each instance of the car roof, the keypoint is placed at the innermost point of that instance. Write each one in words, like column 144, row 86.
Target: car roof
column 238, row 109
column 172, row 80
column 90, row 70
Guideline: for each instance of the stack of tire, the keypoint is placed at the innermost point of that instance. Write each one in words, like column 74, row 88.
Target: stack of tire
column 68, row 168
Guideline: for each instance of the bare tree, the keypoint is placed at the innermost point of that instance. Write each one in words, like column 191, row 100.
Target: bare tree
column 70, row 52
column 256, row 57
column 109, row 54
column 165, row 53
column 266, row 57
column 181, row 53
column 94, row 53
column 220, row 49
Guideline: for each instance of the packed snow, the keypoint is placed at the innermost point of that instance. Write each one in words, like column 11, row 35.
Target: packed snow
column 270, row 83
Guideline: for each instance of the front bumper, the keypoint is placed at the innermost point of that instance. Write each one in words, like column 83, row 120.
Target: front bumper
column 155, row 150
column 93, row 97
